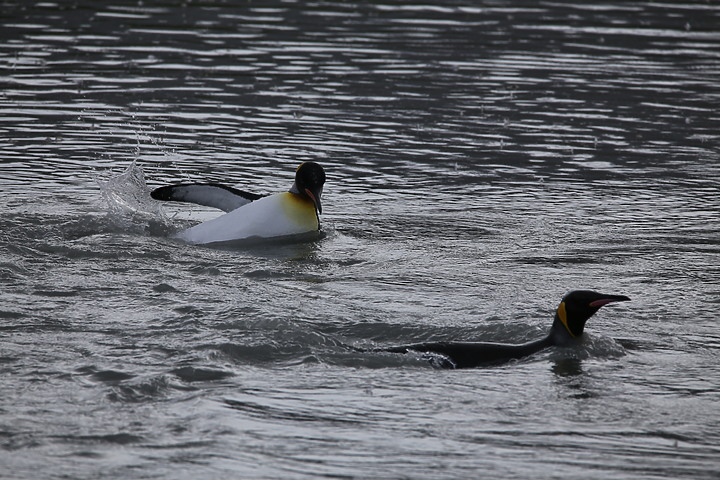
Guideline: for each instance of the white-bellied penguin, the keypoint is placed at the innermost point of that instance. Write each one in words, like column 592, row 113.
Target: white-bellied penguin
column 574, row 310
column 249, row 215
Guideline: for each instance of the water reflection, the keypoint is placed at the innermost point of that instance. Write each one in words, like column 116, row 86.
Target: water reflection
column 567, row 367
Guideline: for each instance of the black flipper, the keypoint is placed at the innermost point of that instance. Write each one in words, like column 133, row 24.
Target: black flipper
column 213, row 195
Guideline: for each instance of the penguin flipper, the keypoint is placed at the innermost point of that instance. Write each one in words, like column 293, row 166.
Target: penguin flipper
column 213, row 195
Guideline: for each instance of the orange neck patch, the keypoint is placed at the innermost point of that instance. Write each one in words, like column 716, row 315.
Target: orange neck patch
column 562, row 315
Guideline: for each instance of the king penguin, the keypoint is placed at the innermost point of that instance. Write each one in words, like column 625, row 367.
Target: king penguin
column 249, row 215
column 567, row 329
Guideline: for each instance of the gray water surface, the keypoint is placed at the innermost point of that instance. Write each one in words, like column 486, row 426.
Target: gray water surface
column 483, row 159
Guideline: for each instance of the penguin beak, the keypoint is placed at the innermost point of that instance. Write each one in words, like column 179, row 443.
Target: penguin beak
column 315, row 197
column 608, row 299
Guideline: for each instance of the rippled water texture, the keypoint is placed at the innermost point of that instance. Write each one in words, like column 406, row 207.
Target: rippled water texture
column 483, row 159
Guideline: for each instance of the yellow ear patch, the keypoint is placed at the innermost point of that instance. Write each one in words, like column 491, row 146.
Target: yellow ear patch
column 562, row 315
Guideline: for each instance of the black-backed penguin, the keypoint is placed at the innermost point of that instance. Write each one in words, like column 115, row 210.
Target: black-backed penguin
column 250, row 215
column 570, row 317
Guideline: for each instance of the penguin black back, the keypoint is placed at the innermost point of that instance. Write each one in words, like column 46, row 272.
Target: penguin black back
column 570, row 317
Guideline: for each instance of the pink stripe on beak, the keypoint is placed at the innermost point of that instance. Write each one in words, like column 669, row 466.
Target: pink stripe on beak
column 602, row 301
column 312, row 197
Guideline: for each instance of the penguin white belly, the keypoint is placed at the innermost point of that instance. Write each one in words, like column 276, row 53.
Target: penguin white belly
column 278, row 215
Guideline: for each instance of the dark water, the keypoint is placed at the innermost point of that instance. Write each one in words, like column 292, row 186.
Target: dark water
column 483, row 159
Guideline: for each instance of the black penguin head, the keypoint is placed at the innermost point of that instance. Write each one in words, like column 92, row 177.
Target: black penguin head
column 575, row 309
column 309, row 181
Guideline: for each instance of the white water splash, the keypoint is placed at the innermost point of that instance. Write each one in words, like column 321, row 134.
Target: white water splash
column 130, row 207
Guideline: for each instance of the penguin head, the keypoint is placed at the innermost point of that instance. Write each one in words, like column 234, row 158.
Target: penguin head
column 575, row 309
column 309, row 181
